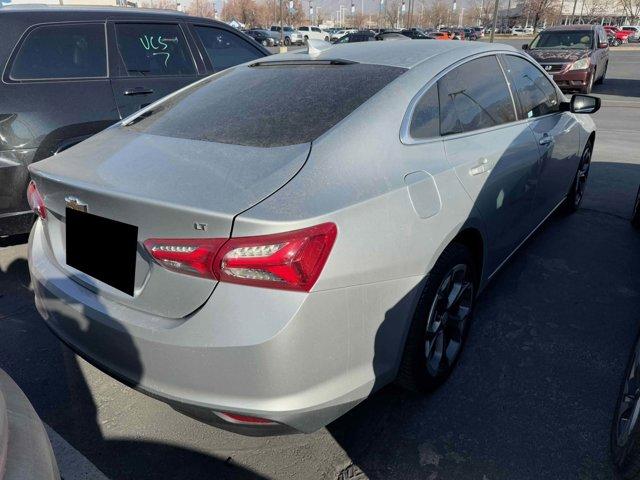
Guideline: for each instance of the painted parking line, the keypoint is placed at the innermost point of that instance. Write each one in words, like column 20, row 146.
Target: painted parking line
column 71, row 463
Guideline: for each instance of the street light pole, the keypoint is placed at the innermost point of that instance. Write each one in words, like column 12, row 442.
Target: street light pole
column 281, row 25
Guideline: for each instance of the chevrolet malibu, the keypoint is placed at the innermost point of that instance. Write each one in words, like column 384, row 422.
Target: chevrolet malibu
column 264, row 272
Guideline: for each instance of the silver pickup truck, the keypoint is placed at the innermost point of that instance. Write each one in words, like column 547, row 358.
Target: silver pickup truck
column 290, row 36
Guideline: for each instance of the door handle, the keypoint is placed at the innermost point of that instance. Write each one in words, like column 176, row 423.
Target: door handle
column 139, row 91
column 483, row 166
column 546, row 139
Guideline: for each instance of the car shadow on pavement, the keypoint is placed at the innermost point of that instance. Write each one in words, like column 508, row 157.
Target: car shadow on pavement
column 58, row 389
column 534, row 391
column 624, row 87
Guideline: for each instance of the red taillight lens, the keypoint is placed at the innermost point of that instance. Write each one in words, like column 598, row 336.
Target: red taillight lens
column 35, row 200
column 243, row 419
column 193, row 256
column 290, row 261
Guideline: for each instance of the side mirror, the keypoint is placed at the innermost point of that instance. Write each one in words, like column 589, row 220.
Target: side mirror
column 603, row 45
column 525, row 46
column 581, row 104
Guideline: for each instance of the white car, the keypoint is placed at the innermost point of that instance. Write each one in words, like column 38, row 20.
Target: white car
column 340, row 34
column 314, row 33
column 635, row 32
column 519, row 31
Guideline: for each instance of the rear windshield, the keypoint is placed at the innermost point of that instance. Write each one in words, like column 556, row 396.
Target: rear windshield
column 581, row 40
column 267, row 106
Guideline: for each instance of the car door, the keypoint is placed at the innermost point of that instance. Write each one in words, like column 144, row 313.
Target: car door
column 557, row 133
column 224, row 48
column 495, row 156
column 54, row 93
column 149, row 60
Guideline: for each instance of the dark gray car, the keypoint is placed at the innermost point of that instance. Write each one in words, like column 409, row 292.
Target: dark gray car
column 68, row 73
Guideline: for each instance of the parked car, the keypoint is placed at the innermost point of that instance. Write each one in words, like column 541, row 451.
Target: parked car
column 625, row 429
column 25, row 450
column 470, row 34
column 440, row 35
column 577, row 56
column 415, row 34
column 391, row 36
column 519, row 31
column 634, row 33
column 55, row 58
column 263, row 37
column 479, row 31
column 266, row 327
column 290, row 36
column 621, row 36
column 337, row 34
column 635, row 216
column 362, row 36
column 313, row 33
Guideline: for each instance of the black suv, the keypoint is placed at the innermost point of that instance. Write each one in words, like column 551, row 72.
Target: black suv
column 69, row 72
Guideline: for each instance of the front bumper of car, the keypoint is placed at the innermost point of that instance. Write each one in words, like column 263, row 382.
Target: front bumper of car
column 572, row 79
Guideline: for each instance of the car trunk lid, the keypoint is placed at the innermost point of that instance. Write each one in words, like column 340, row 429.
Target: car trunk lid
column 167, row 188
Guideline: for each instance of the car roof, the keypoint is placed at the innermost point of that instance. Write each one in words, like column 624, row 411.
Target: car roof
column 43, row 12
column 559, row 28
column 394, row 54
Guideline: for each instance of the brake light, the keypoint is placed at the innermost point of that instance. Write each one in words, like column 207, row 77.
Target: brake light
column 290, row 260
column 35, row 200
column 193, row 256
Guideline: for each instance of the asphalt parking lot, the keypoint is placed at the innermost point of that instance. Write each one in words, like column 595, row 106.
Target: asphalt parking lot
column 532, row 397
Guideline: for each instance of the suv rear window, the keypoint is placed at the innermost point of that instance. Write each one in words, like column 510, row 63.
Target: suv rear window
column 254, row 106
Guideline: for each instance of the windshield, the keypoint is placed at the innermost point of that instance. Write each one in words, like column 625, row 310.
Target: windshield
column 254, row 106
column 580, row 40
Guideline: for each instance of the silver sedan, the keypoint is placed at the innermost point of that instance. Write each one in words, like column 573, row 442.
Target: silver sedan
column 267, row 247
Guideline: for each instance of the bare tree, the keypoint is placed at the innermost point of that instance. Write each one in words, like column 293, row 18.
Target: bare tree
column 161, row 4
column 243, row 11
column 631, row 8
column 202, row 8
column 540, row 10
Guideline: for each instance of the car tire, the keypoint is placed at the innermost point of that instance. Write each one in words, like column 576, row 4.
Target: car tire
column 287, row 41
column 306, row 39
column 441, row 321
column 576, row 192
column 265, row 43
column 635, row 217
column 600, row 81
column 326, row 39
column 625, row 432
column 587, row 89
column 616, row 43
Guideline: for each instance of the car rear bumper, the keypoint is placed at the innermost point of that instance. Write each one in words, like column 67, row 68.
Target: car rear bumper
column 572, row 80
column 300, row 360
column 25, row 451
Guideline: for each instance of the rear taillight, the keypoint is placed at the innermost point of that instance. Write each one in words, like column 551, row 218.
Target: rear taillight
column 35, row 200
column 193, row 256
column 290, row 260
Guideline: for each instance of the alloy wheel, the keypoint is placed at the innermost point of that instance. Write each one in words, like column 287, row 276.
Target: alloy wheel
column 448, row 320
column 581, row 176
column 629, row 407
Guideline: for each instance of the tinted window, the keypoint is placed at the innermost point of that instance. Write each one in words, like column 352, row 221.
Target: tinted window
column 62, row 51
column 536, row 93
column 425, row 122
column 315, row 29
column 474, row 95
column 581, row 40
column 225, row 49
column 254, row 105
column 154, row 49
column 304, row 29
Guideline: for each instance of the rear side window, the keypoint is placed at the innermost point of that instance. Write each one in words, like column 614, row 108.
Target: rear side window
column 149, row 49
column 254, row 105
column 226, row 49
column 474, row 95
column 62, row 51
column 537, row 96
column 425, row 122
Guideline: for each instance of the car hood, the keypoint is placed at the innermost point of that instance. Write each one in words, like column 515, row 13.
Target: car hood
column 558, row 55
